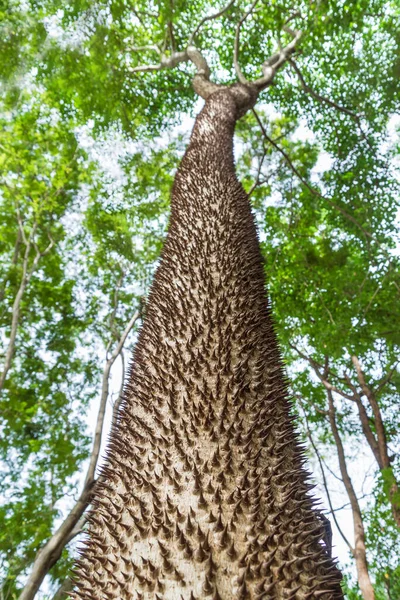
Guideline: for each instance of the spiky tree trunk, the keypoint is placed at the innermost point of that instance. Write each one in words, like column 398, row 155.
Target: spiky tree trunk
column 204, row 494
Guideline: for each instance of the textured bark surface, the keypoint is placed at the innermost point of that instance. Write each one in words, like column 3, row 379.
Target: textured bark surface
column 204, row 494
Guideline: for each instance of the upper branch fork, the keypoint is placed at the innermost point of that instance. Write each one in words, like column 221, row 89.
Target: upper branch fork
column 201, row 81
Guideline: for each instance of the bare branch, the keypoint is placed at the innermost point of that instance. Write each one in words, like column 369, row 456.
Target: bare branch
column 317, row 96
column 189, row 54
column 209, row 18
column 166, row 62
column 384, row 461
column 365, row 422
column 103, row 401
column 49, row 554
column 27, row 272
column 201, row 81
column 277, row 60
column 324, row 481
column 326, row 100
column 257, row 179
column 359, row 553
column 386, row 379
column 238, row 70
column 322, row 376
column 14, row 261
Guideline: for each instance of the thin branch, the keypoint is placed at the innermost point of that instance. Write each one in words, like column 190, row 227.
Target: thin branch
column 326, row 100
column 14, row 261
column 166, row 62
column 324, row 481
column 379, row 426
column 238, row 70
column 276, row 61
column 331, row 471
column 209, row 18
column 323, row 376
column 347, row 504
column 27, row 272
column 364, row 419
column 308, row 186
column 257, row 179
column 386, row 379
column 359, row 553
column 332, row 320
column 49, row 554
column 317, row 96
column 103, row 400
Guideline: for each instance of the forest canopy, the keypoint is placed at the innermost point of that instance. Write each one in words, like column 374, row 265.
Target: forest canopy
column 95, row 115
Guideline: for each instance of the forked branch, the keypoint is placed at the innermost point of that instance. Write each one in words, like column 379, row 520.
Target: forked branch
column 201, row 82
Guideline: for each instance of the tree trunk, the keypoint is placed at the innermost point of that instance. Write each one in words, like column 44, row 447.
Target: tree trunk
column 204, row 494
column 359, row 550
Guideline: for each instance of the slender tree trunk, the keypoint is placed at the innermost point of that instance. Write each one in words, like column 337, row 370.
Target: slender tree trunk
column 49, row 554
column 359, row 550
column 383, row 460
column 204, row 494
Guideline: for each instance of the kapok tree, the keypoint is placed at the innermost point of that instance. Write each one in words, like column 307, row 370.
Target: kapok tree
column 203, row 493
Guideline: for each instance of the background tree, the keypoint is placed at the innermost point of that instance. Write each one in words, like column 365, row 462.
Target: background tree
column 79, row 60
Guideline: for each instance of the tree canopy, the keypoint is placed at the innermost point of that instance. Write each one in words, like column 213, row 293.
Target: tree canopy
column 92, row 131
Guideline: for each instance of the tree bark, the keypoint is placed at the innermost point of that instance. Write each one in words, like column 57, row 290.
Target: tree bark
column 203, row 492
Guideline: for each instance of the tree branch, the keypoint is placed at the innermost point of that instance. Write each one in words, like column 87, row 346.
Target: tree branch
column 365, row 424
column 27, row 272
column 276, row 61
column 317, row 96
column 103, row 401
column 238, row 70
column 327, row 101
column 202, row 84
column 14, row 261
column 322, row 376
column 315, row 192
column 384, row 461
column 359, row 552
column 209, row 18
column 324, row 481
column 386, row 379
column 257, row 179
column 49, row 554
